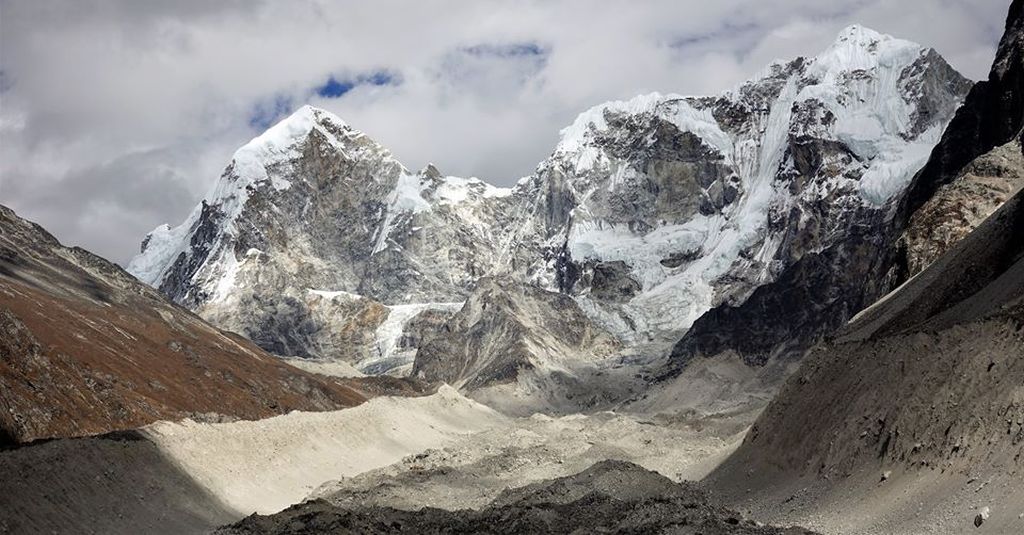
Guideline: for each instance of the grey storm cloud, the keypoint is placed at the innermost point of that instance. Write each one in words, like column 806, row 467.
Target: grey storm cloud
column 117, row 116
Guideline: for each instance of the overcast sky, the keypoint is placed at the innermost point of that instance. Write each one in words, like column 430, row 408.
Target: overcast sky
column 117, row 116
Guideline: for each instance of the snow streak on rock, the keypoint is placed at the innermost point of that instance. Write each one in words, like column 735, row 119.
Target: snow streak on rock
column 649, row 212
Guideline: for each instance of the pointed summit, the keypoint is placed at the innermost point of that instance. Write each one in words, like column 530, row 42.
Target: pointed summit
column 859, row 48
column 278, row 143
column 283, row 135
column 431, row 171
column 861, row 35
column 860, row 39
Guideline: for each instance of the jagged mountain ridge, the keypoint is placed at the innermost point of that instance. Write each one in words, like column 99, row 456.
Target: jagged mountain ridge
column 274, row 246
column 649, row 212
column 706, row 199
column 976, row 167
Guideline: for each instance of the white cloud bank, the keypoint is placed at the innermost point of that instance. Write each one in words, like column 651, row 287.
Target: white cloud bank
column 116, row 116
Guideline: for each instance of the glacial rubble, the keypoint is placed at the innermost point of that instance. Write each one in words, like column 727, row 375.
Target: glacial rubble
column 611, row 496
column 187, row 477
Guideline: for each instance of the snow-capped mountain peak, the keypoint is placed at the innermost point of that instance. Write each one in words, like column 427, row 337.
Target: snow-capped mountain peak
column 579, row 141
column 860, row 48
column 649, row 211
column 698, row 200
column 254, row 166
column 282, row 141
column 283, row 135
column 861, row 36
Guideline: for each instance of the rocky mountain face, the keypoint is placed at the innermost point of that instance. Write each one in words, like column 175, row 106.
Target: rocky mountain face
column 514, row 337
column 992, row 116
column 85, row 348
column 661, row 208
column 928, row 378
column 311, row 229
column 976, row 166
column 958, row 207
column 844, row 268
column 650, row 213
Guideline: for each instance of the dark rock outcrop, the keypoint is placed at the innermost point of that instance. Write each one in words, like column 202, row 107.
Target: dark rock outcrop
column 992, row 115
column 960, row 206
column 815, row 296
column 609, row 497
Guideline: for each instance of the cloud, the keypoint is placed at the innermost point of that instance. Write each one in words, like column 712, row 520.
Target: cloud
column 131, row 188
column 117, row 115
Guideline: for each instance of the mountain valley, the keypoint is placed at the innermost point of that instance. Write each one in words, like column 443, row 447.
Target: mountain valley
column 794, row 307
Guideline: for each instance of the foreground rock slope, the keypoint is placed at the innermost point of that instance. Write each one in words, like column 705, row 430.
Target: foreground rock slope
column 925, row 385
column 923, row 389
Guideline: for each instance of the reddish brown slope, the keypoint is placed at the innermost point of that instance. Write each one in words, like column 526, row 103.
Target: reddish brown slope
column 85, row 348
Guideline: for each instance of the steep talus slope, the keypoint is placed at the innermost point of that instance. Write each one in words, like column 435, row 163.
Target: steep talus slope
column 512, row 342
column 611, row 496
column 649, row 213
column 927, row 384
column 926, row 374
column 88, row 349
column 117, row 483
column 922, row 390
